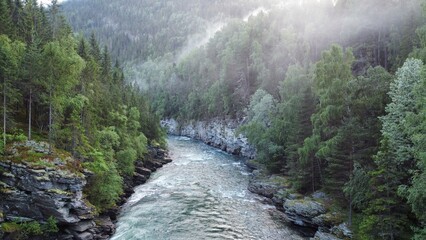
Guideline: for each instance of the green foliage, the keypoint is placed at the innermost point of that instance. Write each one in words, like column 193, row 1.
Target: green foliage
column 125, row 161
column 67, row 86
column 51, row 226
column 28, row 230
column 416, row 128
column 106, row 186
column 31, row 229
column 356, row 189
column 395, row 159
column 10, row 227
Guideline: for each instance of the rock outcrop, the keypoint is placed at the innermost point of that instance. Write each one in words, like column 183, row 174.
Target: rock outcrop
column 302, row 211
column 35, row 191
column 219, row 133
column 308, row 213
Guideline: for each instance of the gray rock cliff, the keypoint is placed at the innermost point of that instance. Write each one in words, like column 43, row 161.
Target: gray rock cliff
column 219, row 133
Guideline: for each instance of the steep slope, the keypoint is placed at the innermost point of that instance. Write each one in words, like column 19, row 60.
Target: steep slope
column 140, row 30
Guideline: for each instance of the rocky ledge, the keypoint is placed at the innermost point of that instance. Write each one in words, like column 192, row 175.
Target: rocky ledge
column 309, row 214
column 219, row 133
column 35, row 193
column 31, row 193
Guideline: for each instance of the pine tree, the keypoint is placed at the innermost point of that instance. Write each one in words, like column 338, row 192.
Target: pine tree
column 5, row 20
column 323, row 148
column 62, row 66
column 11, row 53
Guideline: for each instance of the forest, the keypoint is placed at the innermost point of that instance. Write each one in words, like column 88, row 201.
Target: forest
column 64, row 89
column 332, row 93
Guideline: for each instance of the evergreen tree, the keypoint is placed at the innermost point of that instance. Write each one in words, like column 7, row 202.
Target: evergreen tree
column 332, row 74
column 387, row 211
column 62, row 68
column 11, row 53
column 5, row 20
column 416, row 127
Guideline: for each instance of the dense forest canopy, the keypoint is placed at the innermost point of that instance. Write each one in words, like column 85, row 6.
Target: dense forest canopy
column 66, row 90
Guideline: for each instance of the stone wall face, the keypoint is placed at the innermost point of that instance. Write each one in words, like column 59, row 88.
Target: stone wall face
column 218, row 133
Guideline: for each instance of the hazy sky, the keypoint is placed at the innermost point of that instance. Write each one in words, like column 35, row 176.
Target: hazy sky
column 48, row 1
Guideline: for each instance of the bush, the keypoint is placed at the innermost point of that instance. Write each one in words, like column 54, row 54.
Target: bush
column 126, row 161
column 105, row 186
column 51, row 226
column 31, row 229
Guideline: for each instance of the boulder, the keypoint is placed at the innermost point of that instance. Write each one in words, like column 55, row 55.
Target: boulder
column 139, row 179
column 83, row 236
column 302, row 211
column 261, row 184
column 143, row 171
column 82, row 226
column 319, row 235
column 328, row 220
column 104, row 226
column 164, row 160
column 152, row 165
column 342, row 231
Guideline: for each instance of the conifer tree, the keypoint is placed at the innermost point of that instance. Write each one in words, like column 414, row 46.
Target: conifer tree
column 387, row 213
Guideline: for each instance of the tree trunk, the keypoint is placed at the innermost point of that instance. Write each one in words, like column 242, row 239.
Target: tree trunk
column 4, row 114
column 29, row 115
column 313, row 175
column 50, row 121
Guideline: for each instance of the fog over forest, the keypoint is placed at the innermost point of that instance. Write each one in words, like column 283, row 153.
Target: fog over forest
column 325, row 98
column 315, row 82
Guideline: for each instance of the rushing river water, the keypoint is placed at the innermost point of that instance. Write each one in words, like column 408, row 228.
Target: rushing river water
column 202, row 194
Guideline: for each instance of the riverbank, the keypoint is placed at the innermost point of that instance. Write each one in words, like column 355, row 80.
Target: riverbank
column 312, row 215
column 45, row 199
column 155, row 159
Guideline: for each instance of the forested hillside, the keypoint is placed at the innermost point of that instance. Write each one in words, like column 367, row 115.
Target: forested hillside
column 332, row 94
column 66, row 91
column 147, row 33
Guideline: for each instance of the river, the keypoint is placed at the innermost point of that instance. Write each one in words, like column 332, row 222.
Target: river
column 202, row 194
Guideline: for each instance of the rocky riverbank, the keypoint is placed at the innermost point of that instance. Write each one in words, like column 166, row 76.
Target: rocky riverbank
column 219, row 133
column 310, row 215
column 33, row 192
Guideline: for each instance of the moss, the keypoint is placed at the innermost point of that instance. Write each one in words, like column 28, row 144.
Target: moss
column 9, row 227
column 281, row 181
column 44, row 178
column 58, row 159
column 42, row 163
column 4, row 188
column 59, row 191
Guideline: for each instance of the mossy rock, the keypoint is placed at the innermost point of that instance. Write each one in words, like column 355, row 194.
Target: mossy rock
column 304, row 207
column 59, row 192
column 329, row 219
